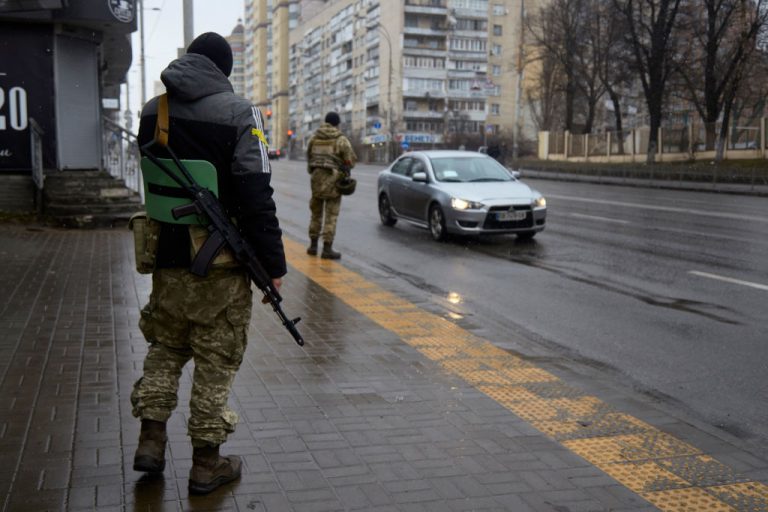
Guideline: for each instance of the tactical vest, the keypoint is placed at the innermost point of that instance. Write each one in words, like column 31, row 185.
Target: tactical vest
column 323, row 154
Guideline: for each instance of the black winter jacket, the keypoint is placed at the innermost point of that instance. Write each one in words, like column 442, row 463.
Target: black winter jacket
column 209, row 122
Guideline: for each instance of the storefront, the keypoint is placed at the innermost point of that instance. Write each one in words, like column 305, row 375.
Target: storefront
column 58, row 62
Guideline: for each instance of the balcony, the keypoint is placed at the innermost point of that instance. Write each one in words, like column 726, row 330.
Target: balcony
column 424, row 51
column 461, row 94
column 424, row 31
column 438, row 7
column 424, row 73
column 421, row 93
column 422, row 114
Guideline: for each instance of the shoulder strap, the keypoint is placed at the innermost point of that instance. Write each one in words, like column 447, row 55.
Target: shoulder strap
column 161, row 127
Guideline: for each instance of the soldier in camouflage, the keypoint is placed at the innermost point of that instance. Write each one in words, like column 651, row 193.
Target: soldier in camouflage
column 204, row 319
column 329, row 157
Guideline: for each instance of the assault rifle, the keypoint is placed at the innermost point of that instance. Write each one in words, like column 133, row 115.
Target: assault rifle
column 222, row 232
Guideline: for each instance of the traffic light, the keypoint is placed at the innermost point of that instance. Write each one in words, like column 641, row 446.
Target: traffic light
column 269, row 113
column 289, row 133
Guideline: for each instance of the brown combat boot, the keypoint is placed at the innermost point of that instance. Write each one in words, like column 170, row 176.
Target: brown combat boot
column 312, row 249
column 328, row 252
column 150, row 455
column 210, row 470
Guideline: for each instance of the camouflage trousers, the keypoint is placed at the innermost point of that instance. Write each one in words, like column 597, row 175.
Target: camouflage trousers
column 203, row 319
column 328, row 208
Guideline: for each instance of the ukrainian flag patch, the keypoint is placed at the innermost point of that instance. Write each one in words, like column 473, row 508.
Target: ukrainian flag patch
column 258, row 133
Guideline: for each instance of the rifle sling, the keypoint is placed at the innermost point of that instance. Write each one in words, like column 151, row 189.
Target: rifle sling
column 161, row 127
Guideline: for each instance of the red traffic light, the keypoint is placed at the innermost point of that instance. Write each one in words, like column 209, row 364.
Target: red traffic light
column 290, row 133
column 269, row 113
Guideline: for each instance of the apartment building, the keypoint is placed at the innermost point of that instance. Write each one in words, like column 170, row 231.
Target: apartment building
column 267, row 24
column 408, row 74
column 236, row 41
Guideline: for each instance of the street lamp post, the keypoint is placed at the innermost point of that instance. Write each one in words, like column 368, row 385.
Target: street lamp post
column 388, row 39
column 389, row 93
column 450, row 25
column 142, row 60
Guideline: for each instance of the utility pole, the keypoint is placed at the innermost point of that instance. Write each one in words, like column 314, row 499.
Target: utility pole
column 519, row 88
column 189, row 22
column 142, row 61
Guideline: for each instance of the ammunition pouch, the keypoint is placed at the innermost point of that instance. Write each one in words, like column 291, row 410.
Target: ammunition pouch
column 146, row 238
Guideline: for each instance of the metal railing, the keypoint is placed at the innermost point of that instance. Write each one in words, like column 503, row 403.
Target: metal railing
column 121, row 155
column 36, row 159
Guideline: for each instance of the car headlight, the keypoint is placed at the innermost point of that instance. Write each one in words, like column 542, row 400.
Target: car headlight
column 461, row 204
column 539, row 202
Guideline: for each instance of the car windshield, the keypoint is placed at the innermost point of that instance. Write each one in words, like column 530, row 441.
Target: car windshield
column 462, row 169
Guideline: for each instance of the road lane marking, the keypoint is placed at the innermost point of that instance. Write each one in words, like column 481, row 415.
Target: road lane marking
column 667, row 472
column 595, row 217
column 729, row 280
column 722, row 215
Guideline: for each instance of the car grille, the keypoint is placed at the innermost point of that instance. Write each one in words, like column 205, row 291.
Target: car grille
column 491, row 221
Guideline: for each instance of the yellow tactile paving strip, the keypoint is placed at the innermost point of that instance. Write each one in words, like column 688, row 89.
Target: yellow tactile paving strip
column 667, row 472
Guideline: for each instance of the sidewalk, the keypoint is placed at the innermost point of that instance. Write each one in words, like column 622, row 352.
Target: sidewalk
column 670, row 183
column 388, row 406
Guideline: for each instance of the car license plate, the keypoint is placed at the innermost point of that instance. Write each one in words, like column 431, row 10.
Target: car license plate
column 510, row 215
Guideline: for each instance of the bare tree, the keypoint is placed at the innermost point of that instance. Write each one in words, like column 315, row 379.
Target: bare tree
column 752, row 99
column 652, row 30
column 612, row 55
column 725, row 35
column 555, row 29
column 590, row 57
column 543, row 96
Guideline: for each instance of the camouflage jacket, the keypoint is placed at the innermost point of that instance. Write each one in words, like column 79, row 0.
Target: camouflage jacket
column 328, row 155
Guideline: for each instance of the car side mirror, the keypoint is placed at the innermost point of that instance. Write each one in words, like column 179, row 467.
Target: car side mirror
column 515, row 174
column 420, row 177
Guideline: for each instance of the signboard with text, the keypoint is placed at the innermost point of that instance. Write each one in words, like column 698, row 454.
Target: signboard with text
column 26, row 91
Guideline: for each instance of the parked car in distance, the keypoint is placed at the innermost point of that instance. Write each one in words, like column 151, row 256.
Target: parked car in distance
column 459, row 192
column 274, row 153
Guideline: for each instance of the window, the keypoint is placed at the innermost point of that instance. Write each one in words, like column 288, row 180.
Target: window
column 499, row 10
column 497, row 30
column 468, row 45
column 401, row 166
column 496, row 70
column 496, row 50
column 495, row 109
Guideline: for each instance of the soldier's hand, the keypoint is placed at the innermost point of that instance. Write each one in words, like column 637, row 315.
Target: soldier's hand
column 277, row 283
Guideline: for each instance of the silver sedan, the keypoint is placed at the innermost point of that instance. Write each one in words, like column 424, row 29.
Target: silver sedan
column 459, row 192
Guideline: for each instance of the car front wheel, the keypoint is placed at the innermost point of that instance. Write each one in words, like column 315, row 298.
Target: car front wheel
column 385, row 211
column 437, row 223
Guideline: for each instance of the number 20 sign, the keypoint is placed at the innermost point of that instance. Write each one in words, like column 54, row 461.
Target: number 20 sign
column 13, row 109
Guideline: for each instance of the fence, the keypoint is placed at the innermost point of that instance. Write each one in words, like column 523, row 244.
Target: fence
column 675, row 143
column 121, row 155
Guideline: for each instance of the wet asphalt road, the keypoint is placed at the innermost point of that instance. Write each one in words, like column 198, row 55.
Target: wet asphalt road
column 663, row 291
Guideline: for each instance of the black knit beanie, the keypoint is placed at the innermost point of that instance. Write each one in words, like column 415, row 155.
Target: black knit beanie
column 332, row 118
column 216, row 48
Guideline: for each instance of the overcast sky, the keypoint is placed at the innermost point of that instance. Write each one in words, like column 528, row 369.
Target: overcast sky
column 164, row 34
